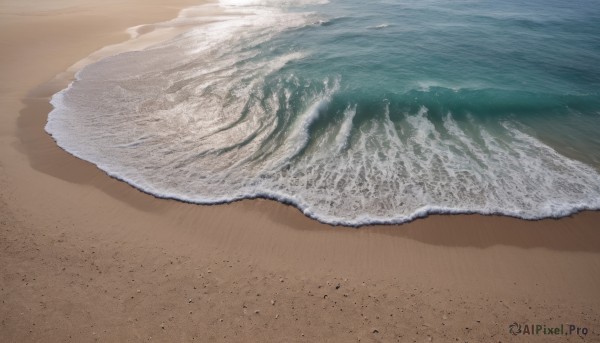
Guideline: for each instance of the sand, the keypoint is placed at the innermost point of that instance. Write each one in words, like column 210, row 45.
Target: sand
column 84, row 257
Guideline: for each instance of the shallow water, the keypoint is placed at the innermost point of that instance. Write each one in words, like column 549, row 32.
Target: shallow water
column 355, row 112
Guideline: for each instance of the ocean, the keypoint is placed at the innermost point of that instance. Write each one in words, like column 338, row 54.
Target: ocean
column 355, row 112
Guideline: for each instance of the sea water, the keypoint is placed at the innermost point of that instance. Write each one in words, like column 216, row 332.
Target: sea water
column 356, row 112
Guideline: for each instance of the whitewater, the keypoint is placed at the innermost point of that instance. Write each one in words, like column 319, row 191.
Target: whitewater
column 356, row 113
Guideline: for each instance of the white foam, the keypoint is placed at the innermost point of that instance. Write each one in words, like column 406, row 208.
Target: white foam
column 270, row 3
column 299, row 134
column 341, row 140
column 378, row 27
column 208, row 117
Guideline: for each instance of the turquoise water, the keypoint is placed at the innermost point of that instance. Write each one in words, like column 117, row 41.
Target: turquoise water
column 355, row 112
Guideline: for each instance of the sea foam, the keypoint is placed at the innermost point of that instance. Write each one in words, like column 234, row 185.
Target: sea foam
column 221, row 113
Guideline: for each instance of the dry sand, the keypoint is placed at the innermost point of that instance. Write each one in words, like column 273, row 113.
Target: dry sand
column 84, row 257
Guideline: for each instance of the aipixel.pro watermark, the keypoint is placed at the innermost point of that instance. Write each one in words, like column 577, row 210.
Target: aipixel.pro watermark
column 542, row 329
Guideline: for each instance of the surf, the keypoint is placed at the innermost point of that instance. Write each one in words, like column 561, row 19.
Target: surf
column 264, row 103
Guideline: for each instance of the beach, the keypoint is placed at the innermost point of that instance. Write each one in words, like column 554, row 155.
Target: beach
column 86, row 257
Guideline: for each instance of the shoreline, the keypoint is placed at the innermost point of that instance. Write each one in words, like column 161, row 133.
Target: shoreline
column 38, row 101
column 82, row 244
column 147, row 35
column 45, row 91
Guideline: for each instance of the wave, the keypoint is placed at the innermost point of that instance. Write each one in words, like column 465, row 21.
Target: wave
column 378, row 27
column 271, row 3
column 220, row 114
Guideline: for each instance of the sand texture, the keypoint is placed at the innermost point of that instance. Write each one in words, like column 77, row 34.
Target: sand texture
column 87, row 258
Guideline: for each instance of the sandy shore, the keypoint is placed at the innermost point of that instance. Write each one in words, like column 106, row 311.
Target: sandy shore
column 87, row 258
